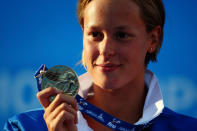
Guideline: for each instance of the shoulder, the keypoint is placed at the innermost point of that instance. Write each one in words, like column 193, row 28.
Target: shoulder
column 170, row 120
column 31, row 120
column 176, row 117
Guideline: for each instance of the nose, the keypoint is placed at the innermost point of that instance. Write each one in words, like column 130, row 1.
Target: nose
column 107, row 47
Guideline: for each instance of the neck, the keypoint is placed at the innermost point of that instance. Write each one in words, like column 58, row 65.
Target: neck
column 125, row 103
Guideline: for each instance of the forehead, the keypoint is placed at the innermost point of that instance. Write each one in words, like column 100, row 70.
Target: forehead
column 111, row 12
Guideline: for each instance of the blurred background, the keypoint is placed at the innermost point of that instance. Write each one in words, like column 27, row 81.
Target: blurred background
column 35, row 32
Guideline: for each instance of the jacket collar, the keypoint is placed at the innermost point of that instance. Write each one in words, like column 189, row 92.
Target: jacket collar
column 154, row 101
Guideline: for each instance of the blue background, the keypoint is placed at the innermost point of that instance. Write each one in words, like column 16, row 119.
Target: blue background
column 38, row 32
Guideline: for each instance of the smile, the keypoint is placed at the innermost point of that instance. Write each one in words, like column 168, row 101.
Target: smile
column 108, row 67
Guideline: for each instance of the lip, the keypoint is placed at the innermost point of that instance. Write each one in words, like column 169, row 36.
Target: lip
column 109, row 67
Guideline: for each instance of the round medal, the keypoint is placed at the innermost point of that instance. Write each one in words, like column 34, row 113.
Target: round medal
column 61, row 77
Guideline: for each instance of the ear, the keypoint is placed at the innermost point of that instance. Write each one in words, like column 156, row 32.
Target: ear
column 82, row 28
column 154, row 36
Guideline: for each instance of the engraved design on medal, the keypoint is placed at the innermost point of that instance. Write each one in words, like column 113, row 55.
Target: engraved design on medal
column 61, row 77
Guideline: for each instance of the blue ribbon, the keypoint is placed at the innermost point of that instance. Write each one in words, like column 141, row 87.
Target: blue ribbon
column 96, row 113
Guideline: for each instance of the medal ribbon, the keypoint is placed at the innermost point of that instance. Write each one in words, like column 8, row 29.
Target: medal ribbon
column 96, row 113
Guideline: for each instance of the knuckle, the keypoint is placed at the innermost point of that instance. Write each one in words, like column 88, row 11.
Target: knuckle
column 63, row 113
column 50, row 88
column 64, row 105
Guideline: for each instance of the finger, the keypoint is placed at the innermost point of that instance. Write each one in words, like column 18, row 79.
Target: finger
column 64, row 120
column 65, row 107
column 63, row 98
column 43, row 96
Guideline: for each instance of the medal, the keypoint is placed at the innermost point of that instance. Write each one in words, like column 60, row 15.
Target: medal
column 60, row 77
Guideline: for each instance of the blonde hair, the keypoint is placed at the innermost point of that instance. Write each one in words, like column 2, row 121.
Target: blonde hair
column 83, row 60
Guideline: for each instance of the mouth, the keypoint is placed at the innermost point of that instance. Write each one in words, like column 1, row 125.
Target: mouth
column 109, row 67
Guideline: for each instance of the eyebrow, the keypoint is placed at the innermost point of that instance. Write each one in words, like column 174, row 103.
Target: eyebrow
column 122, row 27
column 92, row 26
column 95, row 27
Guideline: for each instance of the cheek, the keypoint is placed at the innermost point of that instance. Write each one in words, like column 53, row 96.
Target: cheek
column 90, row 51
column 135, row 52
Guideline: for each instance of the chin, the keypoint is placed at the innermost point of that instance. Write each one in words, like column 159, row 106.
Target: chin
column 107, row 85
column 107, row 81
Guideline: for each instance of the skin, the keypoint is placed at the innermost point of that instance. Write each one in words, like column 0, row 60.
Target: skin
column 61, row 113
column 115, row 43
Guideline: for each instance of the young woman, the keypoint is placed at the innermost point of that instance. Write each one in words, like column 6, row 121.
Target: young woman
column 120, row 37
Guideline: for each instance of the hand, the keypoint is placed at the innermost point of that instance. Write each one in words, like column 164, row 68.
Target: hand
column 61, row 113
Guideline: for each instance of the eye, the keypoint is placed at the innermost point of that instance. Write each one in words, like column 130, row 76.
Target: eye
column 121, row 35
column 96, row 36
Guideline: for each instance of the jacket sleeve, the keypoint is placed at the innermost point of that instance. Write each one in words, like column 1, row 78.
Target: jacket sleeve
column 13, row 125
column 28, row 121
